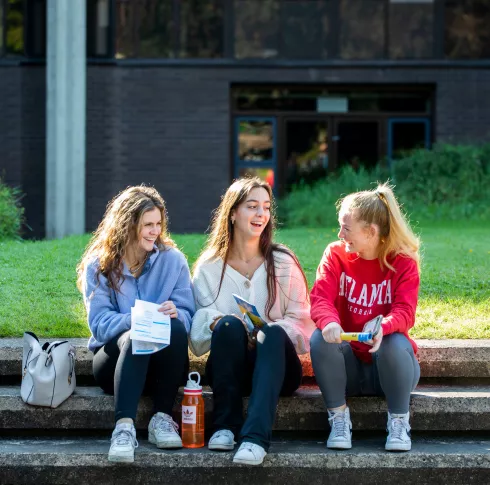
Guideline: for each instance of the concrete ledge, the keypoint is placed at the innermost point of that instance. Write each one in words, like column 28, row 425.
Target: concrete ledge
column 441, row 408
column 438, row 358
column 84, row 461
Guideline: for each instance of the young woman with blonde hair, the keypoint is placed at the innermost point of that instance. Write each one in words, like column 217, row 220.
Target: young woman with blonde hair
column 373, row 270
column 131, row 256
column 240, row 257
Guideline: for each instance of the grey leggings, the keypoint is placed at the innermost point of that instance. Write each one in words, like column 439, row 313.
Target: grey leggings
column 394, row 372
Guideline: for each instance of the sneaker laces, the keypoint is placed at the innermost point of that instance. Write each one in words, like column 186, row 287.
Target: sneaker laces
column 221, row 432
column 166, row 424
column 338, row 422
column 252, row 447
column 398, row 426
column 124, row 437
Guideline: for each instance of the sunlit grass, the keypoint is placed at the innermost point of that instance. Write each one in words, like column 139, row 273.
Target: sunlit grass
column 38, row 292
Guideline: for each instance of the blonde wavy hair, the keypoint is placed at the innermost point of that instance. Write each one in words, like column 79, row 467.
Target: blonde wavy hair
column 121, row 226
column 379, row 206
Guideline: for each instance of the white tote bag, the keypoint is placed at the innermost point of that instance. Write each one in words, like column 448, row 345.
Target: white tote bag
column 48, row 372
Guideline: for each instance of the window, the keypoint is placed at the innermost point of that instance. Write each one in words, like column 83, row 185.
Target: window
column 467, row 32
column 305, row 27
column 14, row 31
column 145, row 28
column 98, row 28
column 36, row 28
column 201, row 28
column 256, row 28
column 362, row 29
column 411, row 29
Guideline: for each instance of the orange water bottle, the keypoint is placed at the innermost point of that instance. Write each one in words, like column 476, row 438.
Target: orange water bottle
column 193, row 414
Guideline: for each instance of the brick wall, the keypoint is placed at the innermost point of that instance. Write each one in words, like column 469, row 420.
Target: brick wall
column 170, row 127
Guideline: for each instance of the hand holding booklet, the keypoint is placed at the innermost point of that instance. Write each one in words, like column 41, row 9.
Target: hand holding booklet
column 150, row 329
column 369, row 331
column 251, row 316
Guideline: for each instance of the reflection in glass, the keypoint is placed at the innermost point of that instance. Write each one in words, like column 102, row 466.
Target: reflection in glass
column 15, row 27
column 145, row 28
column 256, row 28
column 357, row 144
column 255, row 141
column 266, row 174
column 467, row 31
column 362, row 29
column 98, row 16
column 307, row 152
column 304, row 29
column 201, row 28
column 1, row 29
column 411, row 26
column 407, row 137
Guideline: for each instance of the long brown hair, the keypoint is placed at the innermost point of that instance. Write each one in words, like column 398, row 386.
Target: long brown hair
column 379, row 206
column 120, row 227
column 221, row 235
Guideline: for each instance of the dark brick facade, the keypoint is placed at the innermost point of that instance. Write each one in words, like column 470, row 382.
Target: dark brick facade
column 170, row 127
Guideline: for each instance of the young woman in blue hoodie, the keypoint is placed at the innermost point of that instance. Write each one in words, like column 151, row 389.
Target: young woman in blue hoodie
column 131, row 256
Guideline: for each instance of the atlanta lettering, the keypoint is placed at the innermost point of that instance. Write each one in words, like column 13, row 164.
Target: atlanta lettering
column 365, row 296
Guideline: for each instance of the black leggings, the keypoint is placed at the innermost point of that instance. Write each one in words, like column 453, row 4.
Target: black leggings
column 270, row 370
column 117, row 371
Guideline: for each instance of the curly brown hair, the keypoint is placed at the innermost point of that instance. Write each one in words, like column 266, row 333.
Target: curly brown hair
column 119, row 228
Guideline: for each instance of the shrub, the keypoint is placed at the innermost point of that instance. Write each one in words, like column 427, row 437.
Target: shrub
column 448, row 182
column 11, row 212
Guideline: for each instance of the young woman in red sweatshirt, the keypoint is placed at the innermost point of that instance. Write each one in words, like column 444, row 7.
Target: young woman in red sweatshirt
column 373, row 270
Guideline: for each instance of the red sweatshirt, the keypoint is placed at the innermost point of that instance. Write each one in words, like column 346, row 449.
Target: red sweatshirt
column 351, row 291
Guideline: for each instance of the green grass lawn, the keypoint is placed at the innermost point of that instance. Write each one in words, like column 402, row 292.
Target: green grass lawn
column 38, row 293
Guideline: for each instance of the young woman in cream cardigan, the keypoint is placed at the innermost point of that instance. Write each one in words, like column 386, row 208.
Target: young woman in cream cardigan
column 240, row 257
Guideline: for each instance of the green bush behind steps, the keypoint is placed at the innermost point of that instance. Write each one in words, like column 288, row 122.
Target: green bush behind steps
column 11, row 212
column 446, row 183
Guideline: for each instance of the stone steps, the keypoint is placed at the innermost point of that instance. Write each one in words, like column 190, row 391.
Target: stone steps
column 433, row 460
column 433, row 408
column 438, row 359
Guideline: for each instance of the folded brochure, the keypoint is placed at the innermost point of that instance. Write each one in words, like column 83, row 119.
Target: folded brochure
column 250, row 314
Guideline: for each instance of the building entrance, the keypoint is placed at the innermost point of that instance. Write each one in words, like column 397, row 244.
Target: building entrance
column 299, row 135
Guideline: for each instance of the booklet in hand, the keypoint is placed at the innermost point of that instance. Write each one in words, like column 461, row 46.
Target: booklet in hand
column 369, row 331
column 250, row 314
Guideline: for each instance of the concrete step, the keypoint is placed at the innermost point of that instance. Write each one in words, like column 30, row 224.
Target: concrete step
column 433, row 460
column 438, row 359
column 433, row 408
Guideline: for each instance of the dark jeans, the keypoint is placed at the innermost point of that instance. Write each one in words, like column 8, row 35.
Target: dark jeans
column 117, row 371
column 270, row 370
column 394, row 373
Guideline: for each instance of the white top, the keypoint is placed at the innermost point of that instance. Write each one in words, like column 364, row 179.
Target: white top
column 291, row 310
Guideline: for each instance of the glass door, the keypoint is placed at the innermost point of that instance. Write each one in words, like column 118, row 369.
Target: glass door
column 405, row 134
column 356, row 143
column 306, row 156
column 255, row 148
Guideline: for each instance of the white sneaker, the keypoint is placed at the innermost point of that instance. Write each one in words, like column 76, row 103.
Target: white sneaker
column 340, row 437
column 162, row 431
column 222, row 440
column 398, row 433
column 249, row 454
column 123, row 443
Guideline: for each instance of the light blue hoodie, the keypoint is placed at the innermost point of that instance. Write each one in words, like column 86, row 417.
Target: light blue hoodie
column 165, row 276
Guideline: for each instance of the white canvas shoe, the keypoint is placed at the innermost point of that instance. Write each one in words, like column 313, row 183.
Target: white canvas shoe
column 162, row 431
column 249, row 454
column 340, row 437
column 222, row 440
column 123, row 443
column 398, row 433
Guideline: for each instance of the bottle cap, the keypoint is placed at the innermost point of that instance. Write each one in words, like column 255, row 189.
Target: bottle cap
column 193, row 387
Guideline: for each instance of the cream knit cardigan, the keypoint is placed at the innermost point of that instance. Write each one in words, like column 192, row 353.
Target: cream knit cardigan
column 291, row 309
